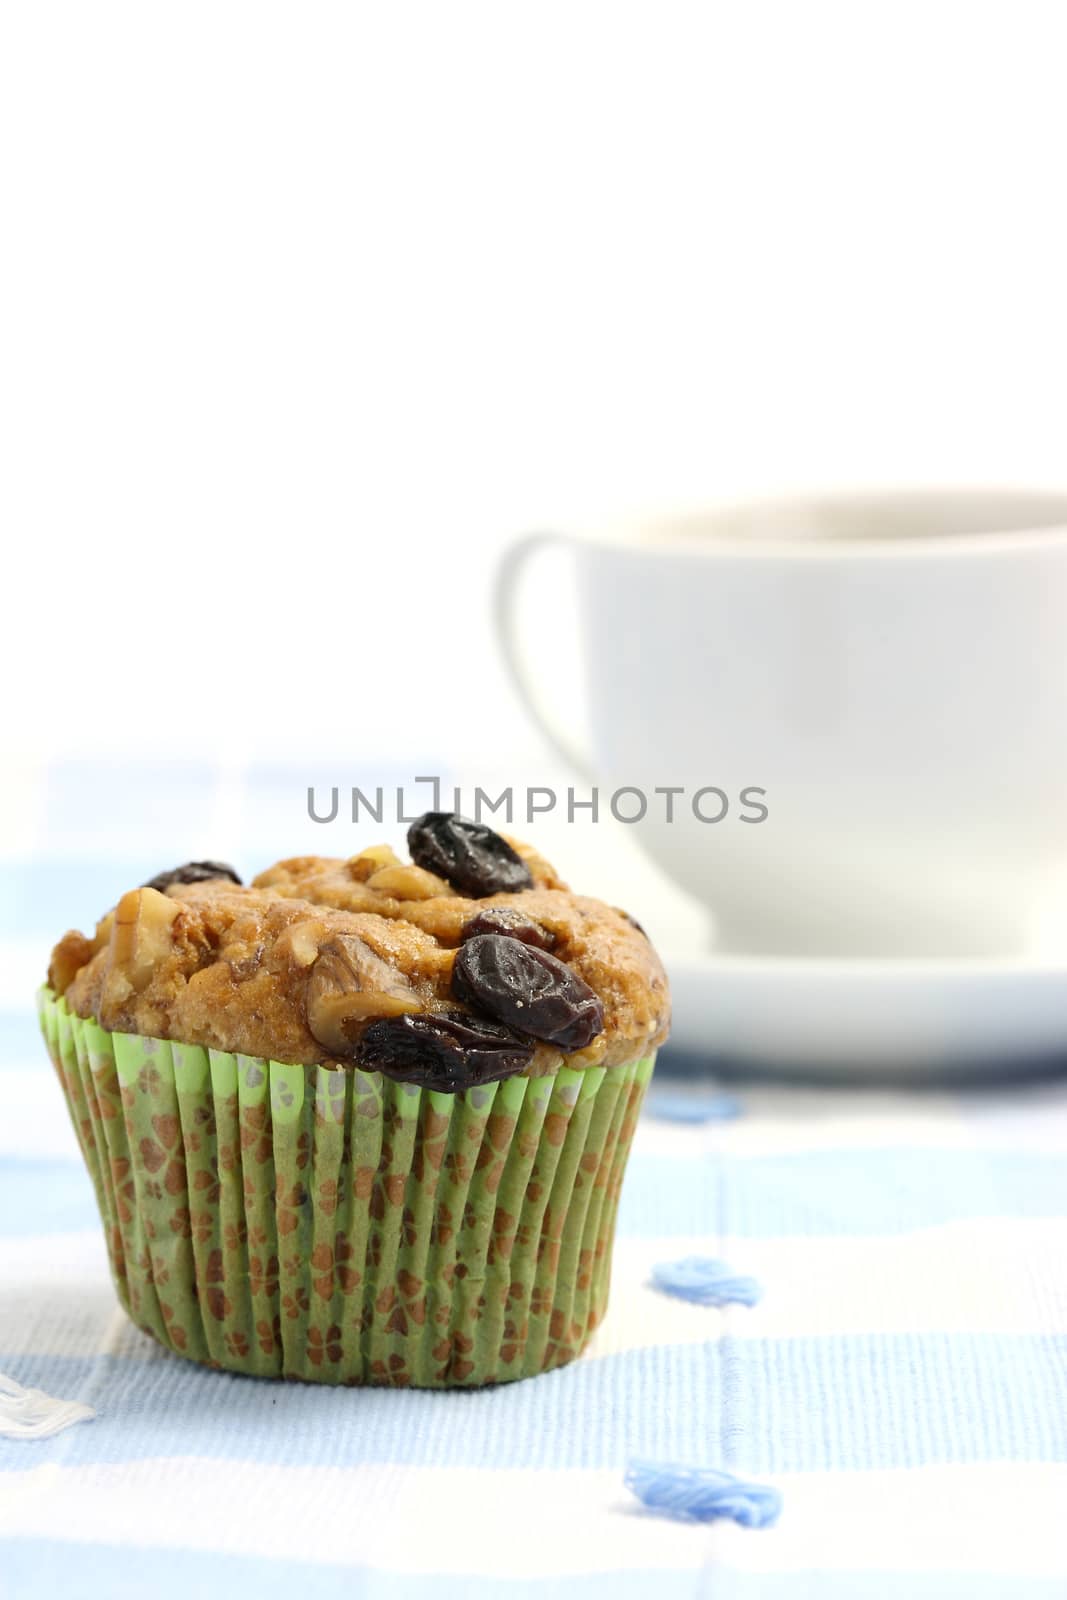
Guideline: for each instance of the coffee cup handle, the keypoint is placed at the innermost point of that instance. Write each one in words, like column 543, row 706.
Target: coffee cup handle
column 506, row 595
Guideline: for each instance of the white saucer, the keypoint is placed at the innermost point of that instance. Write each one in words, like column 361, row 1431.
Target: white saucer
column 869, row 1017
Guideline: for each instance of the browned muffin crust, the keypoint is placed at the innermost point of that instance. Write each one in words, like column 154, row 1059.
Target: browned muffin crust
column 295, row 966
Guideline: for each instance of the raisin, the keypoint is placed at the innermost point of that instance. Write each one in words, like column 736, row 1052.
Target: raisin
column 444, row 1050
column 471, row 857
column 510, row 924
column 192, row 872
column 527, row 989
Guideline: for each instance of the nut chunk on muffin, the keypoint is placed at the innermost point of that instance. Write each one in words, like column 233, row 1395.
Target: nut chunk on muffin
column 426, row 1071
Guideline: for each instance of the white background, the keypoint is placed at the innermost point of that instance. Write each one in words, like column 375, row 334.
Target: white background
column 306, row 309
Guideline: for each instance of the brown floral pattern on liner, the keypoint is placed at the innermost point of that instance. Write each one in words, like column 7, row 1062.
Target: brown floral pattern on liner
column 330, row 1224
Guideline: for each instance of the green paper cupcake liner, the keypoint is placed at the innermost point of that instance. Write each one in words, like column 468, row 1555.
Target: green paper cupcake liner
column 333, row 1225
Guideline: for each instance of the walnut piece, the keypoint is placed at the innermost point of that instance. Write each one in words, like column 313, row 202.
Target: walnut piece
column 349, row 984
column 141, row 935
column 407, row 883
column 302, row 941
column 372, row 860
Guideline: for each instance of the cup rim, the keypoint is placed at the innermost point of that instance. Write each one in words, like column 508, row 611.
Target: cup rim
column 1037, row 520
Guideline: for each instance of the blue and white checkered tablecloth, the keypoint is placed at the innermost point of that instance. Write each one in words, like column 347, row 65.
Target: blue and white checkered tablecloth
column 903, row 1381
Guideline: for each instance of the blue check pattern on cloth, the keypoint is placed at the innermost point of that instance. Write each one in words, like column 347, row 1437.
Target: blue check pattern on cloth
column 903, row 1380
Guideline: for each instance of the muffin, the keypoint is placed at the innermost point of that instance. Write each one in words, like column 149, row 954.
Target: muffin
column 362, row 1121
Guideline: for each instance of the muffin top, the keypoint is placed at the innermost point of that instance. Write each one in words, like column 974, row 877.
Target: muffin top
column 470, row 963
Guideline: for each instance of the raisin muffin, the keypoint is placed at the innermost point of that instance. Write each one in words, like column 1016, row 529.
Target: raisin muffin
column 361, row 1121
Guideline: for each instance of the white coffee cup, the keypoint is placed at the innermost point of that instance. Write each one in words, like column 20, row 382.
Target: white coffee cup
column 890, row 669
